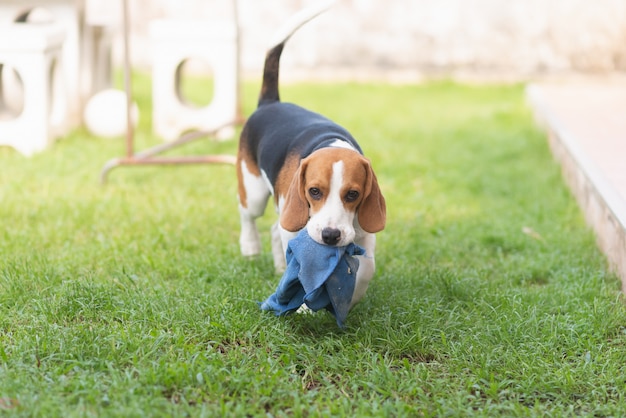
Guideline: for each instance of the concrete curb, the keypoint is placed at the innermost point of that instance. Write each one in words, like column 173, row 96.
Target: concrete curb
column 603, row 206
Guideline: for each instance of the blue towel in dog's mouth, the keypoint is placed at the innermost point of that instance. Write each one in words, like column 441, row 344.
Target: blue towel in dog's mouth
column 321, row 276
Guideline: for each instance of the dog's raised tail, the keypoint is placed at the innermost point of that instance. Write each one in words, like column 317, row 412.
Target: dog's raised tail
column 269, row 89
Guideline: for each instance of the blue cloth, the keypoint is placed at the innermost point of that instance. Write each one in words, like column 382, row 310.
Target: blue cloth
column 321, row 276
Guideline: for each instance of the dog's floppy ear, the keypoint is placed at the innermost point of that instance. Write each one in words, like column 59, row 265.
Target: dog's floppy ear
column 295, row 212
column 373, row 210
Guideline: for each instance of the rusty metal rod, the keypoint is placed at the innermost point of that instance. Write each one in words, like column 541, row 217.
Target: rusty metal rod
column 128, row 88
column 133, row 161
column 188, row 137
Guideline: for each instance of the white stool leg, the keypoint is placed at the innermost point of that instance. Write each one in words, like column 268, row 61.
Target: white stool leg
column 34, row 52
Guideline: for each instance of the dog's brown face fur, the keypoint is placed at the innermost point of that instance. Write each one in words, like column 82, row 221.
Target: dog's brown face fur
column 329, row 189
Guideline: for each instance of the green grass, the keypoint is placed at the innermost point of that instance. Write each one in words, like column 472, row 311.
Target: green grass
column 490, row 298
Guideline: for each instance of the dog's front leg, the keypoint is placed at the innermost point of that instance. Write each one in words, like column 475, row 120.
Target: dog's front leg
column 253, row 197
column 249, row 239
column 278, row 251
column 367, row 266
column 280, row 240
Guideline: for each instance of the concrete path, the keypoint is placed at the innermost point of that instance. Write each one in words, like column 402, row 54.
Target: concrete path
column 586, row 127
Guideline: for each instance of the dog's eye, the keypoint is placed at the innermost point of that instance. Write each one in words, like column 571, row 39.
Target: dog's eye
column 315, row 193
column 352, row 195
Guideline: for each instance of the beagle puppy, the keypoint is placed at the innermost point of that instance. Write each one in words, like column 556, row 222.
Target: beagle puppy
column 315, row 171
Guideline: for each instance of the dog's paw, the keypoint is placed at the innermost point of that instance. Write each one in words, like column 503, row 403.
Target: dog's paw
column 280, row 265
column 250, row 252
column 250, row 249
column 304, row 310
column 249, row 241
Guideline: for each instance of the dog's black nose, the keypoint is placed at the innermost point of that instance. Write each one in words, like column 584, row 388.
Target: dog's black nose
column 331, row 236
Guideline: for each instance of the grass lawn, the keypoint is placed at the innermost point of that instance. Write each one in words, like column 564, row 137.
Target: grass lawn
column 490, row 298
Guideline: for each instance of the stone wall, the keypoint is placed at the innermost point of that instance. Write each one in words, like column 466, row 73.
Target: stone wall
column 410, row 39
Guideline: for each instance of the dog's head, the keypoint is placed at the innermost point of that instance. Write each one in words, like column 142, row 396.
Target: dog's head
column 333, row 190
